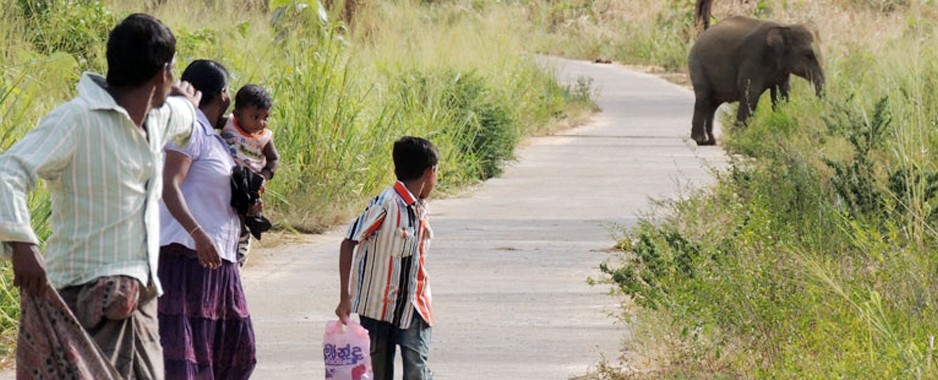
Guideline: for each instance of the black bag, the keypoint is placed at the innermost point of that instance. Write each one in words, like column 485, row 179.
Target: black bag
column 245, row 192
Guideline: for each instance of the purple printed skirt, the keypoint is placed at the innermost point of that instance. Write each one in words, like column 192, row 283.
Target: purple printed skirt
column 205, row 327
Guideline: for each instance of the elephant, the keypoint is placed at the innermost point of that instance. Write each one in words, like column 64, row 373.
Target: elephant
column 739, row 58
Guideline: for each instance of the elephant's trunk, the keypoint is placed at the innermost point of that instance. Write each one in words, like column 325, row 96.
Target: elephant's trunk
column 818, row 81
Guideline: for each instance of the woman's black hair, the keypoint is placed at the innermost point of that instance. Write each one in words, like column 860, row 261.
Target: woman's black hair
column 253, row 95
column 412, row 157
column 207, row 76
column 137, row 49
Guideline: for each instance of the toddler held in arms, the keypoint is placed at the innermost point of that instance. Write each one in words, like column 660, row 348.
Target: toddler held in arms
column 252, row 145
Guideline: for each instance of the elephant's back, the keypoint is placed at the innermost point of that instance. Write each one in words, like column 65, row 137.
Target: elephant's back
column 742, row 23
column 715, row 54
column 729, row 33
column 718, row 51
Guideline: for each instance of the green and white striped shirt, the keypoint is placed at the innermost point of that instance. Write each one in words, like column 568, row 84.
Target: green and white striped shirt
column 104, row 175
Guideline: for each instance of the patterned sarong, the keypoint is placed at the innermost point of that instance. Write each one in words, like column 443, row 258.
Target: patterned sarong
column 53, row 345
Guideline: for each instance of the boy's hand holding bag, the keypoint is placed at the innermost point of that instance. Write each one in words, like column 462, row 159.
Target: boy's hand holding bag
column 346, row 350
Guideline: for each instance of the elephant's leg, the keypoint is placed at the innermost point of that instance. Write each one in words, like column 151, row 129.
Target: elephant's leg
column 698, row 130
column 751, row 85
column 748, row 103
column 711, row 113
column 780, row 91
column 785, row 87
column 744, row 112
column 773, row 91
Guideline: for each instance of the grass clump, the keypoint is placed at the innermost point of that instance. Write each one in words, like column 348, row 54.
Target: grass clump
column 77, row 27
column 486, row 130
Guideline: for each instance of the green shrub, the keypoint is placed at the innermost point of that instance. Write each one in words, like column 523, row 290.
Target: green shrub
column 854, row 182
column 485, row 128
column 659, row 257
column 307, row 21
column 77, row 27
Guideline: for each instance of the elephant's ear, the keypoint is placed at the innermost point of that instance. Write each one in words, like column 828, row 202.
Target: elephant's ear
column 777, row 38
column 813, row 29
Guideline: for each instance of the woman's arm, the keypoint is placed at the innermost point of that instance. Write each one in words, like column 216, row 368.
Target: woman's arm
column 175, row 171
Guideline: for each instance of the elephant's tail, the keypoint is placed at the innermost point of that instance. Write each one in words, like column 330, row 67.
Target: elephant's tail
column 702, row 14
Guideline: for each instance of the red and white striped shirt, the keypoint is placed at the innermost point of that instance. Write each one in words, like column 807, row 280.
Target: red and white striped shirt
column 389, row 277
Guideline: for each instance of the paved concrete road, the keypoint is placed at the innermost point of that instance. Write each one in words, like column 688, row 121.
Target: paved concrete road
column 510, row 259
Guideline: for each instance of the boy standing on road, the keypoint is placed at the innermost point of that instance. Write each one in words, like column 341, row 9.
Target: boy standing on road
column 101, row 155
column 389, row 286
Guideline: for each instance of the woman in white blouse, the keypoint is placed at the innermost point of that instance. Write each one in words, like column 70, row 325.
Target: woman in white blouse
column 205, row 327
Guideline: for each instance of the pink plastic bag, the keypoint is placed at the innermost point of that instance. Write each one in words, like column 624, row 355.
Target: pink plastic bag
column 347, row 352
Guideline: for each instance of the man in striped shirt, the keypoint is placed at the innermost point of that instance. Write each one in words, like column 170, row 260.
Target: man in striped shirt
column 389, row 285
column 100, row 155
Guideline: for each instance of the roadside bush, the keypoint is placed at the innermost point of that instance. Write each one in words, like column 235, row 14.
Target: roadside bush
column 485, row 128
column 307, row 21
column 327, row 138
column 77, row 27
column 659, row 257
column 855, row 183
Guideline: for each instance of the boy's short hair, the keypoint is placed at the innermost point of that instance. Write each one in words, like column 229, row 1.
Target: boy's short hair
column 253, row 95
column 413, row 156
column 137, row 49
column 207, row 76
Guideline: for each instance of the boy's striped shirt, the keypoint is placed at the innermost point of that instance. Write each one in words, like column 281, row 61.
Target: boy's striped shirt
column 389, row 277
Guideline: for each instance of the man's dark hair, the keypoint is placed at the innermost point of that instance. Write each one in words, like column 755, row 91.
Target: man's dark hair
column 137, row 49
column 207, row 76
column 412, row 157
column 253, row 95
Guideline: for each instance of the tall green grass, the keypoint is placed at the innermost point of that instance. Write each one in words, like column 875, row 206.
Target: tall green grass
column 814, row 256
column 458, row 73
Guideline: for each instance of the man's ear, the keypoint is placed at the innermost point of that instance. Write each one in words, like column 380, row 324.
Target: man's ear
column 160, row 77
column 168, row 73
